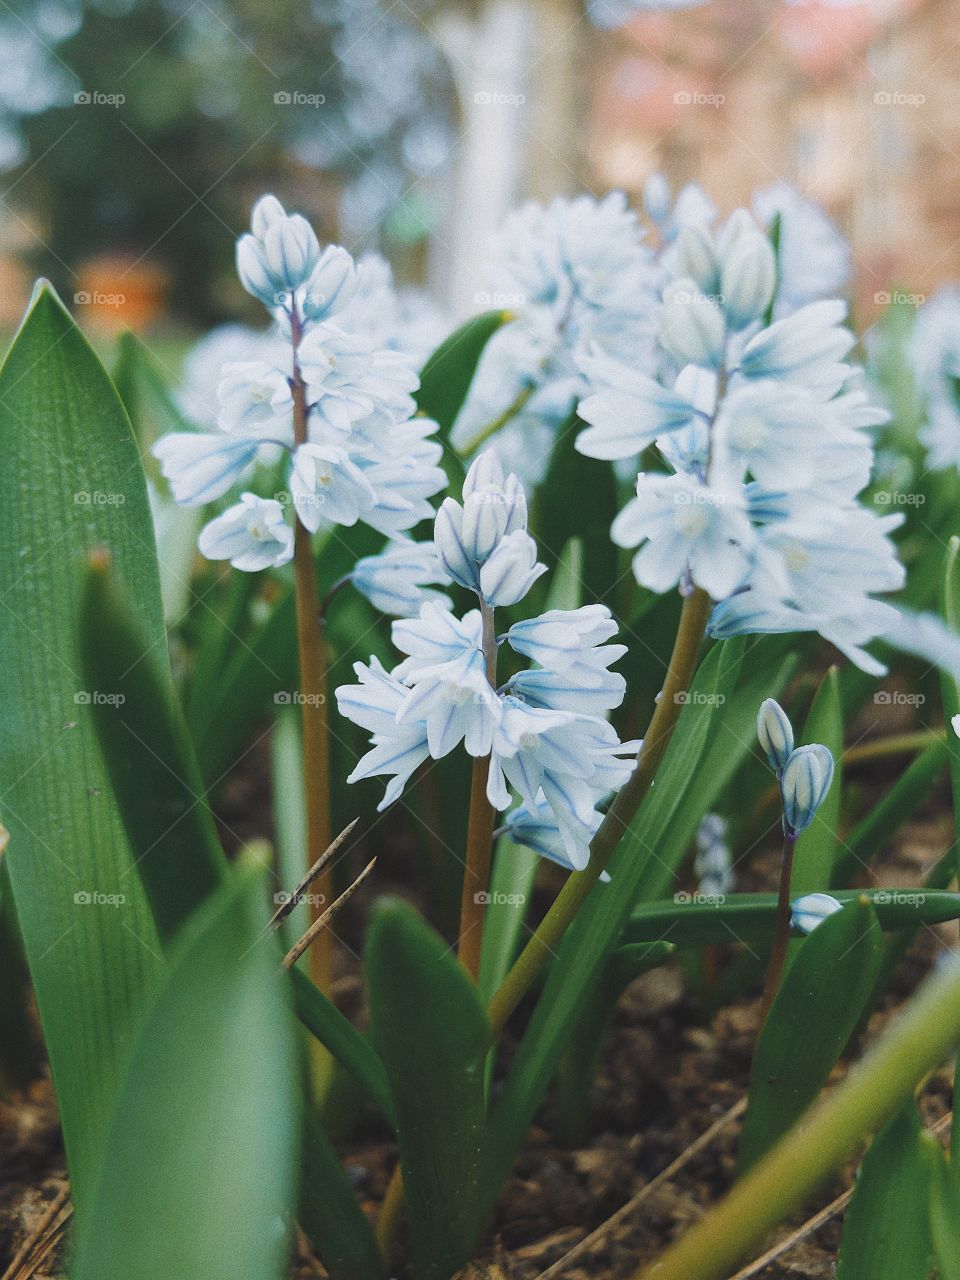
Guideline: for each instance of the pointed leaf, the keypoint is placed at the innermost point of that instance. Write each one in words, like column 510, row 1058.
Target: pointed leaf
column 448, row 373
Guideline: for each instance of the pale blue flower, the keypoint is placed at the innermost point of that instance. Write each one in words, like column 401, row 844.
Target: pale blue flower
column 326, row 487
column 331, row 286
column 510, row 570
column 252, row 535
column 813, row 259
column 456, row 703
column 397, row 749
column 256, row 401
column 537, row 829
column 434, row 638
column 397, row 581
column 627, row 410
column 348, row 380
column 200, row 467
column 806, row 349
column 775, row 733
column 804, row 783
column 811, row 910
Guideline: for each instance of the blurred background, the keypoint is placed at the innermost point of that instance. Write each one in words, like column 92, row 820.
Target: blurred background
column 135, row 134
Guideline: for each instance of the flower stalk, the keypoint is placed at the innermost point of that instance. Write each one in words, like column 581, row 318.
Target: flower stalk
column 312, row 651
column 781, row 933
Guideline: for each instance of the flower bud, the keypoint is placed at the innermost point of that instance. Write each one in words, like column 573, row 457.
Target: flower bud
column 812, row 909
column 740, row 223
column 448, row 538
column 698, row 257
column 657, row 199
column 291, row 251
column 511, row 570
column 332, row 284
column 748, row 279
column 775, row 733
column 264, row 214
column 691, row 326
column 804, row 784
column 255, row 276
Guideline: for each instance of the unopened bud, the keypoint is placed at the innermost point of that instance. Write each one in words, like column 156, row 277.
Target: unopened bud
column 692, row 327
column 775, row 733
column 698, row 257
column 657, row 199
column 748, row 279
column 804, row 784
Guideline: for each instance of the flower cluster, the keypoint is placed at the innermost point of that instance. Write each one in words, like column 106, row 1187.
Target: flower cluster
column 763, row 425
column 358, row 454
column 543, row 729
column 575, row 274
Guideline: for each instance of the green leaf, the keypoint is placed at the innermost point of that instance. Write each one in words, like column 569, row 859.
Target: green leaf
column 812, row 1018
column 330, row 1213
column 71, row 481
column 352, row 1050
column 199, row 1163
column 288, row 792
column 950, row 690
column 148, row 755
column 749, row 917
column 816, row 850
column 944, row 1213
column 646, row 856
column 432, row 1033
column 448, row 373
column 886, row 1233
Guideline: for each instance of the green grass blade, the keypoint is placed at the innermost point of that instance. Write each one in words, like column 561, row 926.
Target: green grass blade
column 511, row 887
column 886, row 1233
column 812, row 1018
column 148, row 755
column 944, row 1214
column 816, row 850
column 290, row 817
column 71, row 481
column 432, row 1033
column 200, row 1160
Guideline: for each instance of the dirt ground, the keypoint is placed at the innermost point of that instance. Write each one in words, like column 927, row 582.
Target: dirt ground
column 669, row 1073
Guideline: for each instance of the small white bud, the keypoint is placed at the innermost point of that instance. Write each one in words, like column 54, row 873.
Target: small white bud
column 255, row 276
column 740, row 223
column 264, row 214
column 332, row 284
column 698, row 257
column 804, row 784
column 657, row 199
column 812, row 909
column 748, row 279
column 291, row 251
column 692, row 327
column 775, row 733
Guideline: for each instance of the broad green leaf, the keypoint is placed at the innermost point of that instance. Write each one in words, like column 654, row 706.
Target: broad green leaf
column 749, row 917
column 71, row 480
column 886, row 1233
column 290, row 816
column 448, row 373
column 944, row 1213
column 578, row 498
column 816, row 850
column 199, row 1163
column 873, row 832
column 645, row 857
column 148, row 755
column 432, row 1033
column 813, row 1016
column 352, row 1050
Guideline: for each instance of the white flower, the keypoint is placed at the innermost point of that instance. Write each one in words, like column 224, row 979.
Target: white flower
column 813, row 259
column 806, row 349
column 627, row 410
column 397, row 580
column 804, row 783
column 200, row 467
column 568, row 645
column 326, row 486
column 511, row 570
column 331, row 286
column 456, row 703
column 252, row 535
column 685, row 528
column 347, row 379
column 255, row 400
column 397, row 749
column 692, row 325
column 280, row 253
column 811, row 910
column 537, row 828
column 434, row 638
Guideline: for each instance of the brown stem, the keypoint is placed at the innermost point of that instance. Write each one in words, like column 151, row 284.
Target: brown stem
column 543, row 943
column 311, row 646
column 480, row 824
column 781, row 934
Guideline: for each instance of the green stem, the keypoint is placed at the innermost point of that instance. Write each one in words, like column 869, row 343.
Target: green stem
column 499, row 422
column 480, row 824
column 311, row 647
column 899, row 744
column 919, row 1038
column 543, row 943
column 781, row 931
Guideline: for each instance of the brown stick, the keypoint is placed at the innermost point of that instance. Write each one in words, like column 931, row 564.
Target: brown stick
column 321, row 922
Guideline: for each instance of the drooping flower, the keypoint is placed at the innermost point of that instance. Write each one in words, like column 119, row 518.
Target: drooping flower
column 252, row 535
